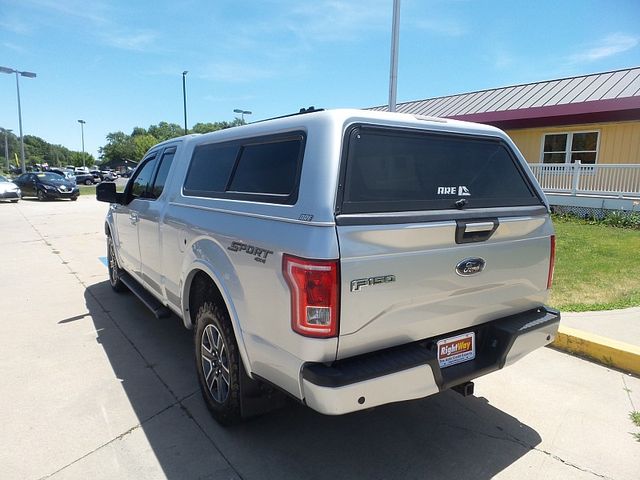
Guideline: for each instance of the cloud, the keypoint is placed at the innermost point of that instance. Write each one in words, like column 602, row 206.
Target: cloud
column 607, row 47
column 237, row 98
column 14, row 47
column 16, row 26
column 447, row 28
column 136, row 41
column 336, row 20
column 96, row 18
column 231, row 71
column 93, row 11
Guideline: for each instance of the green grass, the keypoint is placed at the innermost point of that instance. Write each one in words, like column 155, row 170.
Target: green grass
column 596, row 266
column 635, row 418
column 87, row 190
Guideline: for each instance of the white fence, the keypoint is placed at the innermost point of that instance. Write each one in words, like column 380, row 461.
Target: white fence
column 617, row 180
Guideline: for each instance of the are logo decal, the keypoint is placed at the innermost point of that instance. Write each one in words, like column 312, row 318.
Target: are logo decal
column 460, row 190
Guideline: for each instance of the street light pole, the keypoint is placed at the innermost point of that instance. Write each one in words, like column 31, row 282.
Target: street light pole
column 6, row 146
column 393, row 75
column 28, row 75
column 82, row 122
column 241, row 112
column 184, row 99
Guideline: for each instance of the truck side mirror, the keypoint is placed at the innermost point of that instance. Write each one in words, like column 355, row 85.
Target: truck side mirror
column 106, row 192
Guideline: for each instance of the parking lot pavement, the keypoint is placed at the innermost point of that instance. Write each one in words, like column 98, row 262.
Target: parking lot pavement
column 94, row 387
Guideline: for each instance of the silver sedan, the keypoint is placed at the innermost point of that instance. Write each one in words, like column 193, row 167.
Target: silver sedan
column 9, row 190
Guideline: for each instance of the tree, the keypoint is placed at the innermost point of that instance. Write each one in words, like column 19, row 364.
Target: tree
column 215, row 126
column 121, row 146
column 165, row 131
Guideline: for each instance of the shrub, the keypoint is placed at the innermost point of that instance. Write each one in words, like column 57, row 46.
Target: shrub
column 622, row 219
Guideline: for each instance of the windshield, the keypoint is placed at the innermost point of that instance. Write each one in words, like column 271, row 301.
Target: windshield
column 50, row 176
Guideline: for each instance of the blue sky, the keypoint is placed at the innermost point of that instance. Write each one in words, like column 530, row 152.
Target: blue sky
column 117, row 64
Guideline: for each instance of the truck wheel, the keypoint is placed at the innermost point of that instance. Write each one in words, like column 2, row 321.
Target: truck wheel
column 217, row 363
column 115, row 272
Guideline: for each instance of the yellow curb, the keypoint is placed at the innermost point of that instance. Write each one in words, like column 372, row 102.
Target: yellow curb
column 606, row 351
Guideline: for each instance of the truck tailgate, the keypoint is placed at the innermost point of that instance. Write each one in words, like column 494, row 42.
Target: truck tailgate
column 400, row 284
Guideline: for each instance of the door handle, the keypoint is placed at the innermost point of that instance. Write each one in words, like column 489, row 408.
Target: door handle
column 133, row 218
column 478, row 227
column 468, row 231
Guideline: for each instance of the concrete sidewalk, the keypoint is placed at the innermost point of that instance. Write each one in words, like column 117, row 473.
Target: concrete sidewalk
column 609, row 337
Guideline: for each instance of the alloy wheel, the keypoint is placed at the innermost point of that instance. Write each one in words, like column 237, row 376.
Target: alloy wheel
column 215, row 363
column 113, row 265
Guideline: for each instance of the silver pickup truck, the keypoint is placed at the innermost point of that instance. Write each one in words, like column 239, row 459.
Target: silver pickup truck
column 347, row 258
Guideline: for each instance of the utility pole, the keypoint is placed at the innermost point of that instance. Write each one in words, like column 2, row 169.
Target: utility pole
column 28, row 75
column 6, row 146
column 393, row 75
column 82, row 122
column 184, row 99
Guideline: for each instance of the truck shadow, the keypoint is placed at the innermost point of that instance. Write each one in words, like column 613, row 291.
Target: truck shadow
column 441, row 436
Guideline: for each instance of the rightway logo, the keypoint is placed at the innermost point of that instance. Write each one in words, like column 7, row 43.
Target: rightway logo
column 463, row 191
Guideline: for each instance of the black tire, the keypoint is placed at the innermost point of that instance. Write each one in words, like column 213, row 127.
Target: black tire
column 14, row 201
column 88, row 182
column 41, row 196
column 73, row 199
column 218, row 363
column 115, row 272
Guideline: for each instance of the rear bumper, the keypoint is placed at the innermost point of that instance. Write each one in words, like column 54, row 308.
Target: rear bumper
column 412, row 371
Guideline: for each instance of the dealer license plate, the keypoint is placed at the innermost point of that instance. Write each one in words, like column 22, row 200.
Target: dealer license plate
column 458, row 349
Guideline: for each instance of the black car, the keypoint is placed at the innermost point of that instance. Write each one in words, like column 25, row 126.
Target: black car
column 85, row 178
column 46, row 185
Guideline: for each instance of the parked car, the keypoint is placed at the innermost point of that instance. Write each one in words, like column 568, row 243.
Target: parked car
column 349, row 258
column 107, row 175
column 69, row 176
column 86, row 179
column 97, row 175
column 46, row 186
column 9, row 190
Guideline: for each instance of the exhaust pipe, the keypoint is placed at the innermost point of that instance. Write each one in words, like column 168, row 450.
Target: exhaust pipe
column 464, row 389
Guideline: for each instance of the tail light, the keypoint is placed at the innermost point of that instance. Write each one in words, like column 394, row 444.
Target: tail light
column 314, row 295
column 552, row 261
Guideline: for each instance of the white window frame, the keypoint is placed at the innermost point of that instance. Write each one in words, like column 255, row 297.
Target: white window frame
column 569, row 151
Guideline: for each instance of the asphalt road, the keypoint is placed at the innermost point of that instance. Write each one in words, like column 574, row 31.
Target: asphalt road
column 94, row 387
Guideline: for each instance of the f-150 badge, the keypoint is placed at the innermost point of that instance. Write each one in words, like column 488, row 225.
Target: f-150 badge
column 360, row 283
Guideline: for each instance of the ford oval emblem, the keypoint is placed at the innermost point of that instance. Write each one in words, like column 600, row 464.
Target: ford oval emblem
column 470, row 266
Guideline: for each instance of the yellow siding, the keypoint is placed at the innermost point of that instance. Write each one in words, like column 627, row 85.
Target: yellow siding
column 619, row 141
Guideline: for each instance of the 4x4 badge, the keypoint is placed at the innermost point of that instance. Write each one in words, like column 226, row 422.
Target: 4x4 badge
column 259, row 254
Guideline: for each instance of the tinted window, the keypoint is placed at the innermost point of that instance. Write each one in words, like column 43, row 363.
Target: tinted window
column 210, row 168
column 142, row 179
column 163, row 171
column 263, row 169
column 269, row 168
column 390, row 170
